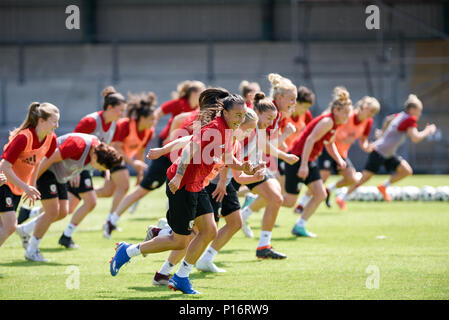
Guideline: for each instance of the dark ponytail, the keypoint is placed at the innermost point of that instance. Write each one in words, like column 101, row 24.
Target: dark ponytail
column 111, row 97
column 213, row 101
column 141, row 105
column 262, row 103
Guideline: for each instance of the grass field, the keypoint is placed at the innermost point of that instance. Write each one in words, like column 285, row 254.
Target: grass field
column 411, row 261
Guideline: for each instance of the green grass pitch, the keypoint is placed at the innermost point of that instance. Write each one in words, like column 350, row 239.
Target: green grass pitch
column 348, row 260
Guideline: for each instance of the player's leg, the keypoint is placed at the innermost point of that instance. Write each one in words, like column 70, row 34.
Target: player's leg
column 271, row 191
column 8, row 225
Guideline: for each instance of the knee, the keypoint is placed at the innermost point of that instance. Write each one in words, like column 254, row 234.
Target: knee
column 352, row 180
column 90, row 203
column 10, row 229
column 409, row 171
column 63, row 213
column 289, row 201
column 210, row 234
column 320, row 195
column 123, row 186
column 180, row 243
column 277, row 199
column 236, row 224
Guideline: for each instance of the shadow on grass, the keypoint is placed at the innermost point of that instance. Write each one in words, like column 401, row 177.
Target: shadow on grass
column 21, row 263
column 164, row 289
column 61, row 249
column 231, row 251
column 147, row 219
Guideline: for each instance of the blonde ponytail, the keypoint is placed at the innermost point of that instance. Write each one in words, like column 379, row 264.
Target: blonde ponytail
column 412, row 102
column 341, row 98
column 279, row 84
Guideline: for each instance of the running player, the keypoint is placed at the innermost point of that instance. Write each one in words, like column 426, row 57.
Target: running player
column 401, row 125
column 188, row 201
column 103, row 125
column 319, row 132
column 358, row 126
column 155, row 175
column 28, row 144
column 136, row 131
column 283, row 93
column 248, row 90
column 224, row 200
column 186, row 100
column 268, row 189
column 75, row 152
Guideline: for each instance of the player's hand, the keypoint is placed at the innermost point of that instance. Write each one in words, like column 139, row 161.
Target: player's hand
column 31, row 194
column 342, row 164
column 259, row 174
column 139, row 165
column 107, row 175
column 248, row 168
column 290, row 129
column 174, row 183
column 368, row 148
column 260, row 165
column 291, row 158
column 219, row 192
column 154, row 153
column 303, row 171
column 431, row 129
column 378, row 133
column 3, row 179
column 75, row 182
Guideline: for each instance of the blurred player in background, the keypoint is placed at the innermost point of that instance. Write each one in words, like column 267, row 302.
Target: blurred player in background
column 358, row 126
column 136, row 131
column 318, row 133
column 397, row 128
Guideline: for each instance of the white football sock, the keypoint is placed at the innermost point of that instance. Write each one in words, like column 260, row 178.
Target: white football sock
column 133, row 250
column 35, row 211
column 114, row 218
column 68, row 232
column 166, row 268
column 265, row 239
column 34, row 244
column 29, row 226
column 304, row 200
column 184, row 269
column 386, row 183
column 332, row 187
column 301, row 223
column 209, row 255
column 164, row 232
column 246, row 212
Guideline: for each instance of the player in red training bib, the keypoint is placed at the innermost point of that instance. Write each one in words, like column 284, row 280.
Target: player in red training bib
column 185, row 100
column 358, row 126
column 318, row 133
column 188, row 201
column 28, row 145
column 135, row 132
column 399, row 127
column 224, row 200
column 103, row 125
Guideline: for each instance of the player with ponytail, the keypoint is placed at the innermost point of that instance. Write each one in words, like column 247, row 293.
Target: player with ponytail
column 308, row 146
column 30, row 143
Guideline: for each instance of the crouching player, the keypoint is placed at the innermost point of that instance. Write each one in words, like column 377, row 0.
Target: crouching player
column 75, row 152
